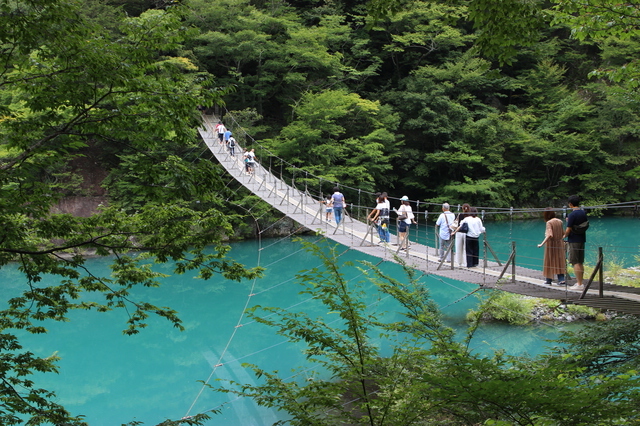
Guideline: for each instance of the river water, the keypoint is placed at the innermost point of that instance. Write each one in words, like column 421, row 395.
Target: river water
column 157, row 375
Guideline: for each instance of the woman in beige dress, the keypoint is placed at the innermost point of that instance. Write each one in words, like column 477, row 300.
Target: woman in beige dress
column 554, row 254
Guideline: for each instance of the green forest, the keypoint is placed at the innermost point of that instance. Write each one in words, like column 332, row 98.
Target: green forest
column 411, row 103
column 490, row 102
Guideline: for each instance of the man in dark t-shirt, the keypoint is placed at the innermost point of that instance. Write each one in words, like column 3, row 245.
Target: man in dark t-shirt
column 576, row 241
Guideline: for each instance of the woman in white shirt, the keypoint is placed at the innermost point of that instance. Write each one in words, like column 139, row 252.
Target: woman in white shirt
column 475, row 228
column 461, row 253
column 405, row 219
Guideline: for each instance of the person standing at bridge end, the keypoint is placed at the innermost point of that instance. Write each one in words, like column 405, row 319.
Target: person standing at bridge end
column 339, row 203
column 577, row 224
column 460, row 237
column 444, row 222
column 553, row 261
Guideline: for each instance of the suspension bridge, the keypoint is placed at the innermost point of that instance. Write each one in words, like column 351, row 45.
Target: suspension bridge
column 305, row 207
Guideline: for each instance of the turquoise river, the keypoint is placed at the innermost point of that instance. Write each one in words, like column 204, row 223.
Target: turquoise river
column 156, row 375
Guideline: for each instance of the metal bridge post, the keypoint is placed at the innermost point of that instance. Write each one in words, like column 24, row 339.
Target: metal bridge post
column 597, row 270
column 513, row 262
column 601, row 275
column 484, row 272
column 447, row 252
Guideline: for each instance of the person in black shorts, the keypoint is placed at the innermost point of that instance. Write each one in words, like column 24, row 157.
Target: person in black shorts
column 576, row 240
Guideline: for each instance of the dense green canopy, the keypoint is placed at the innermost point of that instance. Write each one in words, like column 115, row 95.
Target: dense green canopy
column 492, row 103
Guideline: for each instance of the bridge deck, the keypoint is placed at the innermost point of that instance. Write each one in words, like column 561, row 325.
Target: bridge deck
column 308, row 212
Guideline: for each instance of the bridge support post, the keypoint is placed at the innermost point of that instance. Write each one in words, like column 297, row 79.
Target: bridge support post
column 601, row 273
column 512, row 261
column 488, row 246
column 597, row 270
column 447, row 253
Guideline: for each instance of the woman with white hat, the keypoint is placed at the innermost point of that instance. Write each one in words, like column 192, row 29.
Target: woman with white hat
column 405, row 219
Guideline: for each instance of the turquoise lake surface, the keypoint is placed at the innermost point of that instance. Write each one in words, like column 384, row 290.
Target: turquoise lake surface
column 157, row 375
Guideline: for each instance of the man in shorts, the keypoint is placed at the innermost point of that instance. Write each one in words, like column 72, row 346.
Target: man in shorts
column 576, row 241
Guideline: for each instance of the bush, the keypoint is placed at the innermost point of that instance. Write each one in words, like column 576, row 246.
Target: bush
column 508, row 307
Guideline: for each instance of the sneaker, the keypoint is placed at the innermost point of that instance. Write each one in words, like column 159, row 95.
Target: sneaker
column 576, row 287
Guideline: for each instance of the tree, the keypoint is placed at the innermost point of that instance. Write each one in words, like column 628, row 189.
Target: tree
column 341, row 138
column 66, row 83
column 270, row 54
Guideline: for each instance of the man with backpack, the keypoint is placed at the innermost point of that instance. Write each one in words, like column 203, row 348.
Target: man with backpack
column 443, row 229
column 576, row 237
column 231, row 145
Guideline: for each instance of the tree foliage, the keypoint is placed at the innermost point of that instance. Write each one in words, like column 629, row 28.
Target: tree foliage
column 340, row 137
column 68, row 83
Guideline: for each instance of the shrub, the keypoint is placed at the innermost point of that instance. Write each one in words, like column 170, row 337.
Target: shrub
column 508, row 307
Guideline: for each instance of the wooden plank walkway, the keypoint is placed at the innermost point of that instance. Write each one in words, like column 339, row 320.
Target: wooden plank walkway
column 308, row 212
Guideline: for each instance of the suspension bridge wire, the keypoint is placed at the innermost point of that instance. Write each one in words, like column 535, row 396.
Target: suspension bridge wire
column 233, row 333
column 239, row 325
column 304, row 371
column 251, row 293
column 471, row 350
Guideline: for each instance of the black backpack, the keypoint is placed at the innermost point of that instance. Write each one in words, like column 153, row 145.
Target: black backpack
column 580, row 229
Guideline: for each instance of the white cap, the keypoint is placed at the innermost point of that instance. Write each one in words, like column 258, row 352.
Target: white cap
column 404, row 198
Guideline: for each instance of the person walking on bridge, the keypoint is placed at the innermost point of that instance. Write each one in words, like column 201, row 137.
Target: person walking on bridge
column 554, row 262
column 380, row 216
column 225, row 136
column 577, row 224
column 405, row 219
column 250, row 159
column 445, row 220
column 339, row 203
column 328, row 208
column 231, row 146
column 221, row 130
